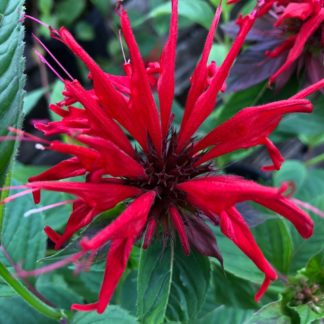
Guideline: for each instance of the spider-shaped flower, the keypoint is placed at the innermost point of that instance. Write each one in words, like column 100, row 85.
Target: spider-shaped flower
column 127, row 149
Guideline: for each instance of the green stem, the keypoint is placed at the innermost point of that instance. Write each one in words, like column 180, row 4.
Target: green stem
column 31, row 299
column 315, row 160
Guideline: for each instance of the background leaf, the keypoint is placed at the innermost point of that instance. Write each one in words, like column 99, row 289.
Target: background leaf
column 12, row 64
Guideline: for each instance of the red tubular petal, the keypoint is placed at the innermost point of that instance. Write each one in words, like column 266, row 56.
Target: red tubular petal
column 206, row 102
column 53, row 236
column 232, row 225
column 263, row 289
column 275, row 155
column 101, row 122
column 306, row 31
column 116, row 263
column 150, row 230
column 166, row 79
column 295, row 10
column 64, row 169
column 179, row 226
column 128, row 225
column 81, row 216
column 115, row 161
column 309, row 90
column 102, row 196
column 199, row 75
column 216, row 194
column 104, row 87
column 84, row 308
column 142, row 100
column 249, row 127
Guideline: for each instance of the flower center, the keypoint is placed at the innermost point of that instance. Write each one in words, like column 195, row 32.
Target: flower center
column 163, row 174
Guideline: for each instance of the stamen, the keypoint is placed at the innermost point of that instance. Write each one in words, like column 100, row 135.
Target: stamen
column 41, row 209
column 56, row 265
column 53, row 57
column 309, row 207
column 13, row 187
column 40, row 147
column 27, row 135
column 122, row 46
column 36, row 20
column 43, row 60
column 17, row 195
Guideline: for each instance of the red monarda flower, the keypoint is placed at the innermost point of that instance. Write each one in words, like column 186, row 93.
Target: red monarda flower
column 127, row 149
column 288, row 37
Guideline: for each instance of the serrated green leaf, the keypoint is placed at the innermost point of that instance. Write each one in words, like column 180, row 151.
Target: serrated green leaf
column 153, row 283
column 12, row 78
column 113, row 314
column 232, row 291
column 190, row 281
column 224, row 314
column 269, row 314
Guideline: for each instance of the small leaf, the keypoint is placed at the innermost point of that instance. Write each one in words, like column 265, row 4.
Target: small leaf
column 153, row 283
column 113, row 314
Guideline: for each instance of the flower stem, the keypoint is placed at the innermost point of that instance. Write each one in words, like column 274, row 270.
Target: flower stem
column 315, row 160
column 31, row 299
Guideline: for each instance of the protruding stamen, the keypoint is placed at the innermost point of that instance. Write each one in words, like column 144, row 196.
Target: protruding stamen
column 17, row 195
column 36, row 20
column 41, row 209
column 53, row 57
column 73, row 258
column 308, row 207
column 43, row 60
column 122, row 46
column 40, row 147
column 28, row 136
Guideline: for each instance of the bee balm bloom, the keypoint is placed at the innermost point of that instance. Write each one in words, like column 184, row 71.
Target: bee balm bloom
column 166, row 175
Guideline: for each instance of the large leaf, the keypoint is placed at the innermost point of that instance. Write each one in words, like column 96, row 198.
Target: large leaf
column 14, row 310
column 11, row 75
column 190, row 281
column 269, row 314
column 113, row 314
column 23, row 237
column 275, row 241
column 153, row 283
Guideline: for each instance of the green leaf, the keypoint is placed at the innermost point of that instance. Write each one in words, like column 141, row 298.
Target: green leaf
column 113, row 314
column 274, row 239
column 23, row 237
column 54, row 288
column 32, row 98
column 69, row 10
column 224, row 314
column 197, row 11
column 310, row 189
column 307, row 315
column 269, row 314
column 154, row 282
column 232, row 291
column 12, row 64
column 14, row 310
column 190, row 281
